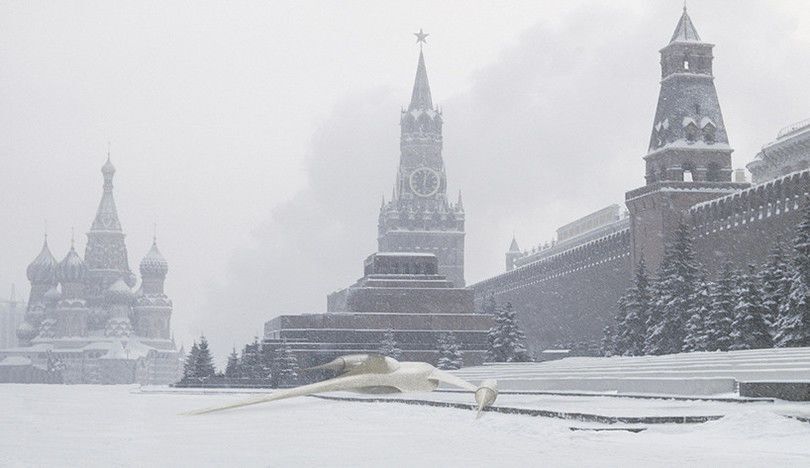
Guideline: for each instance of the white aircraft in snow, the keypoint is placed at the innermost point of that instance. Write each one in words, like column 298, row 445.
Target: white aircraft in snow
column 375, row 374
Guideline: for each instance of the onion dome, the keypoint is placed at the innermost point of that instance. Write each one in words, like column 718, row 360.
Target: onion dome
column 72, row 269
column 119, row 293
column 26, row 332
column 43, row 269
column 52, row 295
column 153, row 264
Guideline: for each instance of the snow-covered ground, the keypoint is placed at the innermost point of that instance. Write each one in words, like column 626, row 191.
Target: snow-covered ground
column 43, row 425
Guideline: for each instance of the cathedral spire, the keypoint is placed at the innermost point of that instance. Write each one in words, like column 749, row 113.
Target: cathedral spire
column 420, row 98
column 105, row 253
column 107, row 214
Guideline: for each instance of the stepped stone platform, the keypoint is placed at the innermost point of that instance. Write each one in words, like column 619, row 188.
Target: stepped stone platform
column 400, row 291
column 785, row 370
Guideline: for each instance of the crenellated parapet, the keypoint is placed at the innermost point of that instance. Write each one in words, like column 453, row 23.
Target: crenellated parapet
column 743, row 226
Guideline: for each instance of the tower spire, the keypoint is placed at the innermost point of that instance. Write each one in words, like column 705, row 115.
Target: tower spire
column 685, row 30
column 421, row 98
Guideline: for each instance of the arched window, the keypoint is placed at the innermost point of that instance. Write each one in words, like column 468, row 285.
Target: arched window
column 688, row 170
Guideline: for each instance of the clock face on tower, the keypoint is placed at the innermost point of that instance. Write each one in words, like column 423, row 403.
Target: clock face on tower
column 424, row 181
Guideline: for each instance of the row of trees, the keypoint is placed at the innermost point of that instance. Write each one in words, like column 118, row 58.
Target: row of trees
column 257, row 365
column 683, row 310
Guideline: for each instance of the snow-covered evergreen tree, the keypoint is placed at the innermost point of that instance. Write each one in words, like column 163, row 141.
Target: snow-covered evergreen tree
column 204, row 364
column 251, row 365
column 190, row 366
column 287, row 366
column 794, row 316
column 608, row 346
column 506, row 340
column 232, row 368
column 634, row 310
column 388, row 345
column 450, row 357
column 750, row 328
column 724, row 300
column 676, row 291
column 696, row 337
column 775, row 277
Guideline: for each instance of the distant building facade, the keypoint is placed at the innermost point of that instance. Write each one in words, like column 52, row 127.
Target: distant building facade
column 789, row 153
column 567, row 292
column 83, row 318
column 414, row 286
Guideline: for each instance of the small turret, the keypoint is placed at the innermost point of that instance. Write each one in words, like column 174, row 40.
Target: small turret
column 512, row 254
column 153, row 310
column 154, row 268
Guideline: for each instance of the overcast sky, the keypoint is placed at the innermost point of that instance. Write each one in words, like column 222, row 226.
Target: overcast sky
column 260, row 136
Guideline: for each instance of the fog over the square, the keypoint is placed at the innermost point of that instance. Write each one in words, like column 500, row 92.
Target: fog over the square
column 260, row 137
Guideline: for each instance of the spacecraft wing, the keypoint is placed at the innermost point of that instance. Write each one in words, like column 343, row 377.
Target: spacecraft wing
column 349, row 382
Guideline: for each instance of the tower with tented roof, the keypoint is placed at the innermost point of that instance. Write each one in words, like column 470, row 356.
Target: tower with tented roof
column 688, row 159
column 419, row 217
column 106, row 252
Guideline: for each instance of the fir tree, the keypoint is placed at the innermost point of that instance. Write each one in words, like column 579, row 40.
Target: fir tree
column 696, row 337
column 676, row 291
column 607, row 346
column 190, row 366
column 794, row 316
column 635, row 309
column 232, row 368
column 775, row 278
column 450, row 357
column 506, row 339
column 251, row 366
column 750, row 327
column 388, row 345
column 718, row 326
column 287, row 365
column 204, row 363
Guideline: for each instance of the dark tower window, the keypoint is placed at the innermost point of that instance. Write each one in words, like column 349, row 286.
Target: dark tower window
column 713, row 172
column 709, row 133
column 691, row 131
